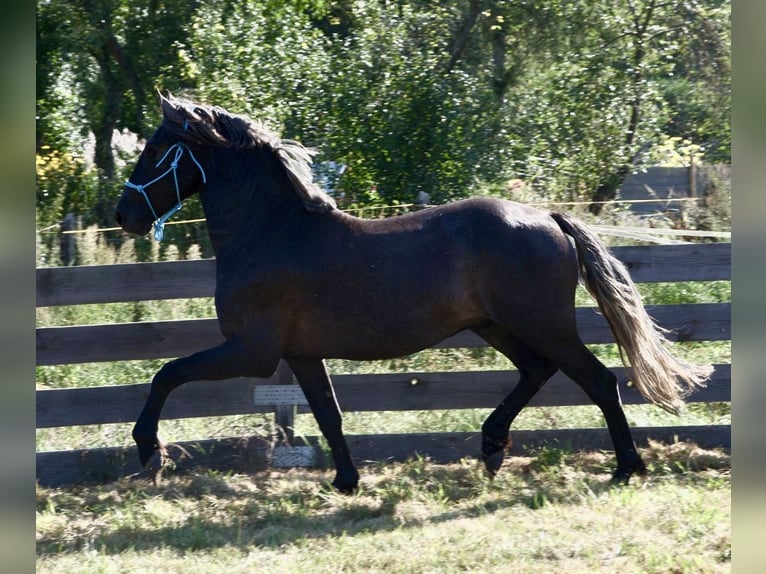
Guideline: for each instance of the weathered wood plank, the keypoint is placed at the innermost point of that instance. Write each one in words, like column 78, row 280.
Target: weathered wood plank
column 690, row 322
column 125, row 282
column 452, row 447
column 186, row 279
column 165, row 339
column 369, row 392
column 125, row 341
column 253, row 454
column 692, row 262
column 123, row 403
column 663, row 182
column 485, row 389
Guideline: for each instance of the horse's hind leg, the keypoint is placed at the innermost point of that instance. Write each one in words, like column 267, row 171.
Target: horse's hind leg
column 561, row 344
column 534, row 371
column 600, row 384
column 317, row 387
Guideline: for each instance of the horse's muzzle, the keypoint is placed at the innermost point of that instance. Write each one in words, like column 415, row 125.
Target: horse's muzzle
column 135, row 226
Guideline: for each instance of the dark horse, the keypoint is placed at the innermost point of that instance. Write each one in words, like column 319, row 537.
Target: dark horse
column 298, row 279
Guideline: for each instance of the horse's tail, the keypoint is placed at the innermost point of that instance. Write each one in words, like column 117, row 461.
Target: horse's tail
column 659, row 376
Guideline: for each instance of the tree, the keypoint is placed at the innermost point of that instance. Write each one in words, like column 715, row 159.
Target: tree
column 99, row 60
column 584, row 115
column 397, row 115
column 697, row 89
column 101, row 64
column 448, row 98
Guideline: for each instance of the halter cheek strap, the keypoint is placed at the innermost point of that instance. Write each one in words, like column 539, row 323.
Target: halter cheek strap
column 159, row 221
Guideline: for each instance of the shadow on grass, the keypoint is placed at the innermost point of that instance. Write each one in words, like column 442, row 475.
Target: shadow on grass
column 206, row 509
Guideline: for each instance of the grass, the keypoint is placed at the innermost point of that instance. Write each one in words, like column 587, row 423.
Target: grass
column 552, row 511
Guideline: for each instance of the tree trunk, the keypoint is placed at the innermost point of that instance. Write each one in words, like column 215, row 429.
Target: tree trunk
column 106, row 51
column 607, row 191
column 462, row 35
column 103, row 128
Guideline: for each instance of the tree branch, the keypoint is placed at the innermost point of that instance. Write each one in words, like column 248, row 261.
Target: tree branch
column 464, row 33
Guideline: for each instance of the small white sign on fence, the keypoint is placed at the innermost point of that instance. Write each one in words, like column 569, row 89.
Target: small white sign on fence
column 278, row 395
column 293, row 456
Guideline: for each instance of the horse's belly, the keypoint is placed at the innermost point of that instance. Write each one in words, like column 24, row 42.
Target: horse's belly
column 370, row 346
column 383, row 329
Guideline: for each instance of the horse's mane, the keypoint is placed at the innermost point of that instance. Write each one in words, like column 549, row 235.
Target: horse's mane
column 213, row 125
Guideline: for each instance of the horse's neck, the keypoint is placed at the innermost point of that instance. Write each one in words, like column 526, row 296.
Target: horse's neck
column 245, row 207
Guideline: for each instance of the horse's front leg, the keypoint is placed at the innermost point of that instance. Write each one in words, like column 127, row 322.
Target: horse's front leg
column 317, row 387
column 227, row 360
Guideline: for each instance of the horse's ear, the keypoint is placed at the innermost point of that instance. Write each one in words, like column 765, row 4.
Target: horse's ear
column 161, row 99
column 170, row 109
column 164, row 100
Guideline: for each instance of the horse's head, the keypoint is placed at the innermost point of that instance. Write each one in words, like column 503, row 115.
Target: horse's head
column 172, row 165
column 168, row 171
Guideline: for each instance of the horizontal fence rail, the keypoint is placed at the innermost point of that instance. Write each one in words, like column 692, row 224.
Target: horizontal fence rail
column 358, row 392
column 251, row 454
column 189, row 279
column 165, row 339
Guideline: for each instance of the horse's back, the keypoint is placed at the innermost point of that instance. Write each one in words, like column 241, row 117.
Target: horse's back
column 510, row 233
column 472, row 218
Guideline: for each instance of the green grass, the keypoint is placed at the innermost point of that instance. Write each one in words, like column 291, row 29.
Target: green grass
column 552, row 511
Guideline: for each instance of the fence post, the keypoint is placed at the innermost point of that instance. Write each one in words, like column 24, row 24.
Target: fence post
column 692, row 177
column 67, row 242
column 285, row 454
column 284, row 415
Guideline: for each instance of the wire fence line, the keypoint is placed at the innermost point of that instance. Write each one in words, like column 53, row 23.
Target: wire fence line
column 623, row 231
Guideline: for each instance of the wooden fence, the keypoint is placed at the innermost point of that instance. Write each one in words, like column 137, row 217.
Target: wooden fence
column 369, row 392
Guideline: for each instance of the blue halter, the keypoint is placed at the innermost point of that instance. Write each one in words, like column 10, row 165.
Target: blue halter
column 159, row 221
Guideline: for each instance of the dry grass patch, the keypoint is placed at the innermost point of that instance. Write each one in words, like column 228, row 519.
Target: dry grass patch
column 552, row 511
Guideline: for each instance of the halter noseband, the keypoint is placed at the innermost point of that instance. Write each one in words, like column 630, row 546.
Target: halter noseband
column 159, row 221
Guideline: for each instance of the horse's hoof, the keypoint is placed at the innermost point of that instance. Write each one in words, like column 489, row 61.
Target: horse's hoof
column 493, row 462
column 157, row 463
column 622, row 475
column 493, row 453
column 148, row 444
column 344, row 489
column 346, row 485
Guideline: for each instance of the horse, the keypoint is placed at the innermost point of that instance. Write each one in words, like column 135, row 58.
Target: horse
column 299, row 280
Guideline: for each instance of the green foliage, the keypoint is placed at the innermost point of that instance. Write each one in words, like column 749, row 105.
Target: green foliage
column 676, row 152
column 451, row 99
column 400, row 120
column 685, row 292
column 570, row 128
column 252, row 58
column 64, row 183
